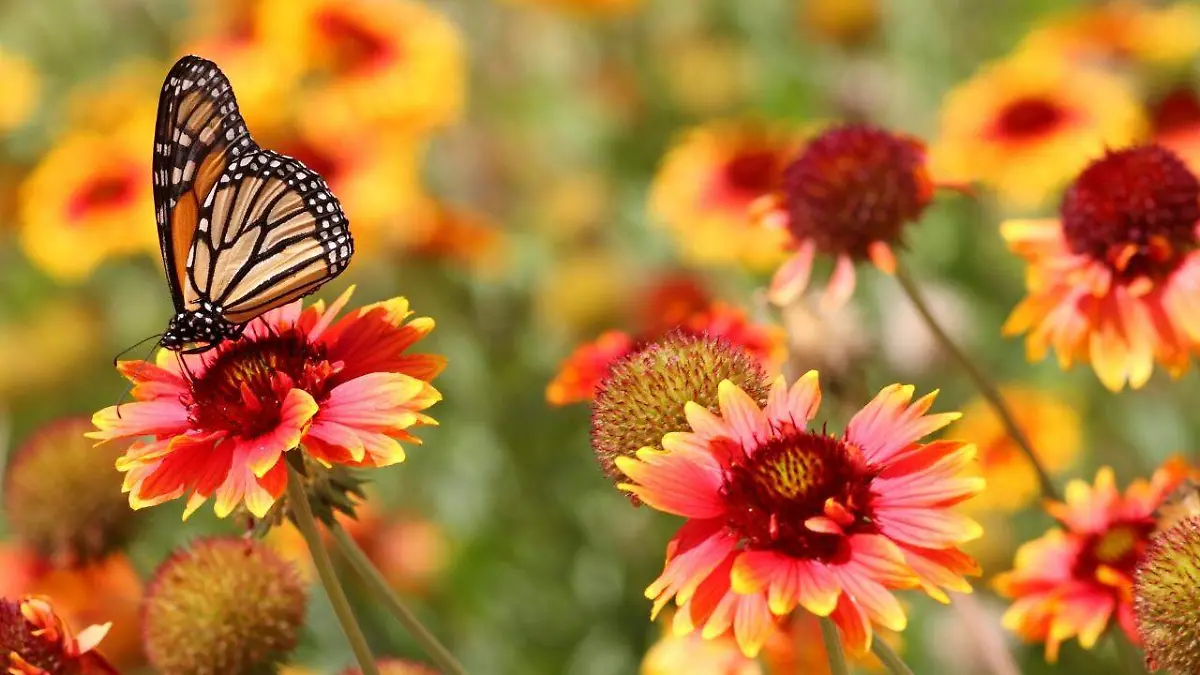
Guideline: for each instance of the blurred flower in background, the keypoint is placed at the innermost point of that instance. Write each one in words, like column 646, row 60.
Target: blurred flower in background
column 22, row 86
column 847, row 23
column 596, row 7
column 1077, row 581
column 86, row 190
column 1114, row 282
column 1050, row 423
column 50, row 330
column 1175, row 121
column 1025, row 125
column 708, row 184
column 224, row 605
column 1119, row 31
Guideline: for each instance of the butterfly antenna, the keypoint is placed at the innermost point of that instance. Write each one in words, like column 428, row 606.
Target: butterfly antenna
column 134, row 346
column 133, row 379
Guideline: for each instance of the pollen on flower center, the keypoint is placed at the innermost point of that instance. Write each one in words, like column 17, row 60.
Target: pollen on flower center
column 791, row 479
column 853, row 186
column 243, row 389
column 1135, row 210
column 1028, row 118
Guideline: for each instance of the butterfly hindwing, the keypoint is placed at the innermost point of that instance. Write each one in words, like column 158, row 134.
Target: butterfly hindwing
column 268, row 233
column 199, row 130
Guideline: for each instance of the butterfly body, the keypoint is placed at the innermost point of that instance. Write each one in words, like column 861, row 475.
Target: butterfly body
column 242, row 229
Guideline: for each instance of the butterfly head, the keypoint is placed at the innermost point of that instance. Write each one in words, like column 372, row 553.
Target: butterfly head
column 198, row 330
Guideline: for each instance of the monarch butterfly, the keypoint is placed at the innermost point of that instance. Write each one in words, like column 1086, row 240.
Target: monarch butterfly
column 242, row 229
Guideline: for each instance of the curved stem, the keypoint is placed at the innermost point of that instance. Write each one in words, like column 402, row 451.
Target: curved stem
column 436, row 651
column 833, row 647
column 889, row 657
column 298, row 503
column 986, row 388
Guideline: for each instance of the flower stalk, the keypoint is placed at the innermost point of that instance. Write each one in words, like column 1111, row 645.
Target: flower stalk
column 982, row 382
column 436, row 651
column 307, row 525
column 833, row 647
column 889, row 657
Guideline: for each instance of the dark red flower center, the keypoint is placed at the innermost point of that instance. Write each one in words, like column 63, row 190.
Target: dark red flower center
column 328, row 165
column 1120, row 547
column 855, row 185
column 1135, row 210
column 1028, row 117
column 1178, row 111
column 17, row 637
column 791, row 479
column 357, row 47
column 754, row 171
column 242, row 391
column 103, row 193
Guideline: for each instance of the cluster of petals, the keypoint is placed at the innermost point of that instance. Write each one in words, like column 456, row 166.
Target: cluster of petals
column 220, row 423
column 1073, row 581
column 836, row 524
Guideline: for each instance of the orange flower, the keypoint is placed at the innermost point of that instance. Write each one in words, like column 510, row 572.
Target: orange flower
column 1052, row 427
column 22, row 87
column 849, row 195
column 1120, row 31
column 396, row 64
column 219, row 423
column 707, row 184
column 589, row 7
column 781, row 516
column 1023, row 126
column 36, row 641
column 460, row 236
column 1115, row 281
column 583, row 370
column 1074, row 581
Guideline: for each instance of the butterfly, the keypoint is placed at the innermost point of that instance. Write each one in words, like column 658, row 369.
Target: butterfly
column 242, row 229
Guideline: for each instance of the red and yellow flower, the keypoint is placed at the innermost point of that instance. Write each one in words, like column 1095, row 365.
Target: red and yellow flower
column 1116, row 280
column 82, row 196
column 1076, row 580
column 219, row 424
column 780, row 515
column 1050, row 423
column 1175, row 122
column 36, row 641
column 395, row 65
column 590, row 7
column 1119, row 31
column 848, row 195
column 582, row 371
column 1025, row 125
column 707, row 185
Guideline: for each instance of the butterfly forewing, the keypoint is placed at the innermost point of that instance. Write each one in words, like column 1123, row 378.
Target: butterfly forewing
column 242, row 229
column 198, row 131
column 269, row 232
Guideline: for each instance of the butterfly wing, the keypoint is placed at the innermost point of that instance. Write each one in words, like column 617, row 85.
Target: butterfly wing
column 198, row 132
column 268, row 233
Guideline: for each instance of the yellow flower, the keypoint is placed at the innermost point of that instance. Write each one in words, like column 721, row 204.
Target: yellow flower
column 707, row 187
column 398, row 64
column 585, row 291
column 1026, row 125
column 22, row 87
column 692, row 654
column 1121, row 30
column 42, row 350
column 1052, row 427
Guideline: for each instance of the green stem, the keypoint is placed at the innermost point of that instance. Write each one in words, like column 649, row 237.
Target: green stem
column 833, row 647
column 986, row 388
column 889, row 657
column 298, row 502
column 436, row 651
